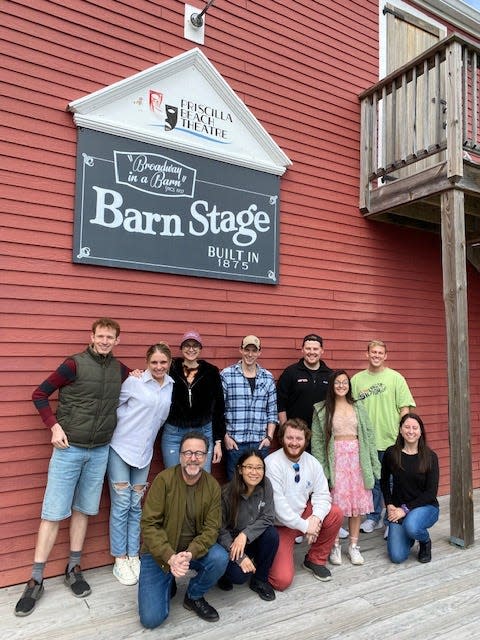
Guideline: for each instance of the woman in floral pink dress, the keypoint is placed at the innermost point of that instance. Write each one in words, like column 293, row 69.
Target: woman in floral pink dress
column 343, row 441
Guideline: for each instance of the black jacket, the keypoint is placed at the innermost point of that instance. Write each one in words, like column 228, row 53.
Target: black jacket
column 195, row 405
column 299, row 388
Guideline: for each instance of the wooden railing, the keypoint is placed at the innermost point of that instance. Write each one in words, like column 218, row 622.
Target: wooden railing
column 424, row 113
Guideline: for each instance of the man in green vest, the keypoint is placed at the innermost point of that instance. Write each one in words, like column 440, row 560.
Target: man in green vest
column 89, row 387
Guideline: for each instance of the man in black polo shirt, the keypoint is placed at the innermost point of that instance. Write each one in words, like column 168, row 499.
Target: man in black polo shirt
column 303, row 383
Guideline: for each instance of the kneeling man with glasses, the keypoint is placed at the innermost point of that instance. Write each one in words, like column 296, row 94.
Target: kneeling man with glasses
column 180, row 524
column 303, row 506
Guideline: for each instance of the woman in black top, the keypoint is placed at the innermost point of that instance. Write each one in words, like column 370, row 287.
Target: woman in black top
column 409, row 485
column 197, row 403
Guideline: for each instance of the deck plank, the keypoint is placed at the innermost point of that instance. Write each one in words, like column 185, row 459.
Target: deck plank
column 380, row 600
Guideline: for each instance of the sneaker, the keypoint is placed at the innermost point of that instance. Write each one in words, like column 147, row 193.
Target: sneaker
column 201, row 607
column 368, row 526
column 355, row 555
column 343, row 533
column 33, row 591
column 264, row 589
column 122, row 570
column 335, row 556
column 75, row 580
column 320, row 571
column 135, row 566
column 385, row 533
column 425, row 551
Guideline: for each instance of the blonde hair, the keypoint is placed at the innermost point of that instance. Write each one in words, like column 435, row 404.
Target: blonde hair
column 162, row 347
column 376, row 343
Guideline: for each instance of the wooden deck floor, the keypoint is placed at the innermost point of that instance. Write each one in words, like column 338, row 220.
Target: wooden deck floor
column 376, row 601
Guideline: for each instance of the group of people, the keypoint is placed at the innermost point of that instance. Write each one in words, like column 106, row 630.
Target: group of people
column 366, row 443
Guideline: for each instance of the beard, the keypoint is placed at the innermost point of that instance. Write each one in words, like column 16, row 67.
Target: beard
column 294, row 453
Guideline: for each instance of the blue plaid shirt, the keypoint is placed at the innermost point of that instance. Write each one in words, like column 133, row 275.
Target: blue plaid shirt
column 247, row 414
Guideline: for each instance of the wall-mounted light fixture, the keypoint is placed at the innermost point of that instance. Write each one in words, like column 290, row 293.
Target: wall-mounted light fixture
column 194, row 22
column 197, row 18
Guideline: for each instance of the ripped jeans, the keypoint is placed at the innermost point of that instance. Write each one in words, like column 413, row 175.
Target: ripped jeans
column 125, row 504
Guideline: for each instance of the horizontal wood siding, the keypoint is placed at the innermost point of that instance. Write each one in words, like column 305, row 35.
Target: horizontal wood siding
column 299, row 66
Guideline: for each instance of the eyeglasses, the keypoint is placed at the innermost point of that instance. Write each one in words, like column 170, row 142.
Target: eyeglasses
column 193, row 454
column 340, row 383
column 191, row 347
column 296, row 468
column 250, row 467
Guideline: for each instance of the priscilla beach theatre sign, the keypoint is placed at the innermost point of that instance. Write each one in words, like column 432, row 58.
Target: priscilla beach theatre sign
column 174, row 181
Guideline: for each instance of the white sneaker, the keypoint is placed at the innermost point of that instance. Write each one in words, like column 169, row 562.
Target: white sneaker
column 343, row 533
column 336, row 555
column 368, row 526
column 135, row 566
column 355, row 555
column 123, row 572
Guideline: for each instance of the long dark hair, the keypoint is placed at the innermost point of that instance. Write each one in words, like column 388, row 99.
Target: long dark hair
column 330, row 400
column 237, row 487
column 424, row 452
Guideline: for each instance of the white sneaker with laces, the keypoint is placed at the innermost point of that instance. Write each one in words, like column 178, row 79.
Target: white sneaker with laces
column 123, row 572
column 135, row 565
column 355, row 555
column 336, row 555
column 368, row 526
column 343, row 533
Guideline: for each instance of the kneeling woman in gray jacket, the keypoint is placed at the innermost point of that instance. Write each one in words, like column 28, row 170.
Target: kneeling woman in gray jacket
column 247, row 531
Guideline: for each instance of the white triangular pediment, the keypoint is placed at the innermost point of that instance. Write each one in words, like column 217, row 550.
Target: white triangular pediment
column 183, row 104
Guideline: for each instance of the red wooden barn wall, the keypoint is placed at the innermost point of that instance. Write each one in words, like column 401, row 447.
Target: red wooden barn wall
column 299, row 66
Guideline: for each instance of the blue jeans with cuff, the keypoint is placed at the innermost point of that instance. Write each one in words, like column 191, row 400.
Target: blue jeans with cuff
column 414, row 526
column 154, row 584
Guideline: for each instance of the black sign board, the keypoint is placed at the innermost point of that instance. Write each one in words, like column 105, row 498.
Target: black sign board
column 141, row 206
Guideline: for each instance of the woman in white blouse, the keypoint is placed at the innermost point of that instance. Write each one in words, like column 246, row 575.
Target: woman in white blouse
column 143, row 408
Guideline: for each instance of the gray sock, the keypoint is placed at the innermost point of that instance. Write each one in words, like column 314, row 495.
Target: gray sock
column 37, row 571
column 74, row 559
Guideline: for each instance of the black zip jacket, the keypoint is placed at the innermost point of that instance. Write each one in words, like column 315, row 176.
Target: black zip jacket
column 195, row 405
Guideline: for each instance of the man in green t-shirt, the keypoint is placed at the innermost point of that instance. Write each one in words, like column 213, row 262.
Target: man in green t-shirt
column 387, row 398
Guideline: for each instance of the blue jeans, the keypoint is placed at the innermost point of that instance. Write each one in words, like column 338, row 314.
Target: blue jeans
column 234, row 455
column 262, row 552
column 75, row 481
column 377, row 497
column 171, row 438
column 414, row 526
column 125, row 505
column 154, row 584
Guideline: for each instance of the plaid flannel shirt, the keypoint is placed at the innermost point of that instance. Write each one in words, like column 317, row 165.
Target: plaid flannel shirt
column 247, row 414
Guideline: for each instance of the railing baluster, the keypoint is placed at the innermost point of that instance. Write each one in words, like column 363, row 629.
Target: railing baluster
column 384, row 129
column 426, row 106
column 465, row 89
column 438, row 127
column 413, row 100
column 474, row 72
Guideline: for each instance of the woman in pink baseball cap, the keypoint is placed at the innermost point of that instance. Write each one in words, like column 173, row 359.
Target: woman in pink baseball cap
column 197, row 402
